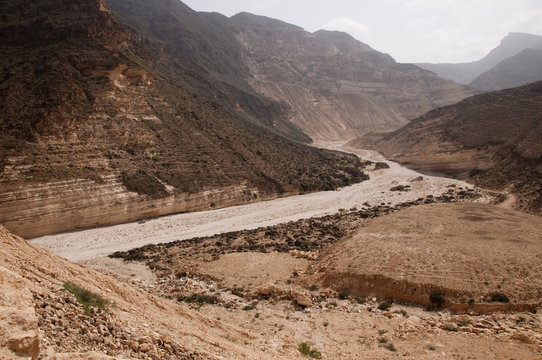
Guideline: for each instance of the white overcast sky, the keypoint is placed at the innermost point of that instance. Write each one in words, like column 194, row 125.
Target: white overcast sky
column 408, row 30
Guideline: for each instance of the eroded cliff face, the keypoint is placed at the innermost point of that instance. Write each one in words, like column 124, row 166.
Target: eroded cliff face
column 92, row 133
column 336, row 86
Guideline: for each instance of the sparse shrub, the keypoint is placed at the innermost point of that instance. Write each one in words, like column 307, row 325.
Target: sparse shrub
column 475, row 172
column 86, row 298
column 313, row 287
column 343, row 295
column 437, row 298
column 385, row 306
column 307, row 350
column 250, row 306
column 391, row 347
column 499, row 297
column 400, row 188
column 360, row 300
column 199, row 299
column 383, row 340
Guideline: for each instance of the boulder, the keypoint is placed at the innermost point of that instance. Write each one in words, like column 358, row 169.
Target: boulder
column 19, row 332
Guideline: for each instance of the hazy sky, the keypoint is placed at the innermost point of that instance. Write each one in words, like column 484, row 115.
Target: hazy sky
column 408, row 30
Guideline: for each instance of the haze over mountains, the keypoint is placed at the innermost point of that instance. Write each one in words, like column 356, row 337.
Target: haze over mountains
column 508, row 65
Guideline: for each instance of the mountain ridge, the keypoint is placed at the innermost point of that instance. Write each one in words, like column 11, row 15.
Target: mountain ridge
column 336, row 86
column 493, row 138
column 465, row 73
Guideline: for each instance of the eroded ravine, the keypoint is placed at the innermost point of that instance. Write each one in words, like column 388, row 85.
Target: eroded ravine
column 94, row 243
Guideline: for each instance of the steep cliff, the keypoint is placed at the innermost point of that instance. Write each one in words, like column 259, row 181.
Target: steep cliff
column 96, row 130
column 337, row 87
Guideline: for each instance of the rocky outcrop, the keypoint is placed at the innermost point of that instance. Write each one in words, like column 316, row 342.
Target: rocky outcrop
column 19, row 332
column 336, row 86
column 47, row 208
column 40, row 318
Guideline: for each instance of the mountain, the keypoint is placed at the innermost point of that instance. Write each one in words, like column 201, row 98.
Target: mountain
column 465, row 73
column 515, row 71
column 200, row 51
column 494, row 138
column 103, row 124
column 336, row 86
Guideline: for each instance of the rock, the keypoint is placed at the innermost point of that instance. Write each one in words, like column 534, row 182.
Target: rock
column 522, row 338
column 144, row 347
column 19, row 332
column 267, row 290
column 134, row 345
column 302, row 299
column 419, row 178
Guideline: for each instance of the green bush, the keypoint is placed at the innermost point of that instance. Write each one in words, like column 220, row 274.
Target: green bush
column 437, row 298
column 499, row 297
column 86, row 298
column 385, row 306
column 475, row 172
column 307, row 350
column 199, row 299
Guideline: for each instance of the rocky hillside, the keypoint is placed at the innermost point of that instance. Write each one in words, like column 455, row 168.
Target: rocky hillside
column 494, row 138
column 465, row 73
column 98, row 127
column 54, row 309
column 515, row 71
column 336, row 86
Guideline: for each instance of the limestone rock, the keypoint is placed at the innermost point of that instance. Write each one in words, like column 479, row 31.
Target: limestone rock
column 302, row 299
column 267, row 290
column 19, row 333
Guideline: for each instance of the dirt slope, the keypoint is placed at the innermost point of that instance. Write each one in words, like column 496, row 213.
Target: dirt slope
column 492, row 137
column 466, row 251
column 48, row 321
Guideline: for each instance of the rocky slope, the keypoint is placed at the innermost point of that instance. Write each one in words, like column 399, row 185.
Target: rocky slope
column 98, row 127
column 523, row 68
column 40, row 318
column 465, row 73
column 493, row 138
column 274, row 281
column 336, row 86
column 465, row 251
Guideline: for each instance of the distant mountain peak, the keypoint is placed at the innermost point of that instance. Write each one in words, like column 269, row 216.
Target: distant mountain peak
column 250, row 20
column 511, row 45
